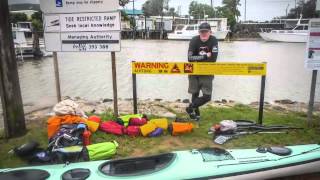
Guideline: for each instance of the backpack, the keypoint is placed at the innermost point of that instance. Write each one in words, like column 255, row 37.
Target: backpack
column 67, row 135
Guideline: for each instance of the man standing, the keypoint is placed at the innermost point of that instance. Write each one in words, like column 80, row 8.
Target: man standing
column 202, row 48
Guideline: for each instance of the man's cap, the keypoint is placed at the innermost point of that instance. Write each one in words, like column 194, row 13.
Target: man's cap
column 205, row 27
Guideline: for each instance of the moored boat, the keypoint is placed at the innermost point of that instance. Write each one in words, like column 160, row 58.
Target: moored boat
column 186, row 32
column 299, row 34
column 209, row 163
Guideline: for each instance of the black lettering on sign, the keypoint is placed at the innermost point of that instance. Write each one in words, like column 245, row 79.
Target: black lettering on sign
column 69, row 19
column 71, row 25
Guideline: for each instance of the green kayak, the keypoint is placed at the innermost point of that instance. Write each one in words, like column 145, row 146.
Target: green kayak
column 210, row 163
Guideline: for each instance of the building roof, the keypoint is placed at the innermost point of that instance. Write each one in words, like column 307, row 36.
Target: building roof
column 136, row 12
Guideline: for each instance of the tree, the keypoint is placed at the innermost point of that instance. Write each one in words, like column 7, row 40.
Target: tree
column 123, row 3
column 37, row 27
column 147, row 9
column 155, row 7
column 230, row 11
column 18, row 17
column 232, row 6
column 11, row 100
column 172, row 12
column 199, row 10
column 307, row 9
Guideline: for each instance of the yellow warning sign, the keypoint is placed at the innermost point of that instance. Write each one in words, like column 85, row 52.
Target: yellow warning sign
column 220, row 68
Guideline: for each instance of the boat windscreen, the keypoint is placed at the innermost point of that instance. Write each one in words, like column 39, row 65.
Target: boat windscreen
column 137, row 166
column 215, row 154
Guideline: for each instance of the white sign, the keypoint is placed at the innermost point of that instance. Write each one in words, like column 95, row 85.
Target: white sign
column 312, row 61
column 82, row 41
column 318, row 5
column 82, row 22
column 77, row 6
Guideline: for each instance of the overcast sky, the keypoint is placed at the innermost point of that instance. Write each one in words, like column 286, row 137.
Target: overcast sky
column 256, row 9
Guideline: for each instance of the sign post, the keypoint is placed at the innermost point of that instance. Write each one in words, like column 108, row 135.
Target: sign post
column 312, row 61
column 182, row 68
column 82, row 26
column 56, row 75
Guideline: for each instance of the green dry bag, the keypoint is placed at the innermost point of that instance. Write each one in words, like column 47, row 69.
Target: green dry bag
column 102, row 151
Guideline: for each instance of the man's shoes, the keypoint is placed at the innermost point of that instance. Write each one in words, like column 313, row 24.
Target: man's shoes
column 191, row 112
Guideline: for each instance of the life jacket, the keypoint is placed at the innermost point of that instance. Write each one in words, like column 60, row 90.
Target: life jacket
column 147, row 128
column 160, row 123
column 137, row 121
column 126, row 118
column 133, row 131
column 177, row 128
column 54, row 123
column 112, row 128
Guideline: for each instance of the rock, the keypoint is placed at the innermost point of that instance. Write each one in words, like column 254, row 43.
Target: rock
column 28, row 104
column 278, row 108
column 231, row 101
column 77, row 98
column 107, row 100
column 217, row 101
column 256, row 103
column 169, row 115
column 186, row 101
column 66, row 97
column 224, row 101
column 158, row 100
column 178, row 100
column 284, row 101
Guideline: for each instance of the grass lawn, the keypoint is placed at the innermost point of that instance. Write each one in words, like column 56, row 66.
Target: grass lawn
column 140, row 146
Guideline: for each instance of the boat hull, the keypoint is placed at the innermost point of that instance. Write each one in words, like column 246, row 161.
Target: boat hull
column 294, row 170
column 285, row 37
column 244, row 164
column 220, row 35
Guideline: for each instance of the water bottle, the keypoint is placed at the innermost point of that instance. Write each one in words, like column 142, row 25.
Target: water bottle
column 86, row 138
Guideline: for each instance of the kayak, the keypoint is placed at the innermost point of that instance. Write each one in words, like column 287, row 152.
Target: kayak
column 208, row 163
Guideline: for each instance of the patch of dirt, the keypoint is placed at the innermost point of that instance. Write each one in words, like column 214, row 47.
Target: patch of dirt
column 138, row 153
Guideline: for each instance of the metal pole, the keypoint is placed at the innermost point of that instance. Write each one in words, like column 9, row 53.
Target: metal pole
column 114, row 83
column 134, row 92
column 261, row 102
column 312, row 94
column 245, row 10
column 133, row 21
column 56, row 74
column 145, row 27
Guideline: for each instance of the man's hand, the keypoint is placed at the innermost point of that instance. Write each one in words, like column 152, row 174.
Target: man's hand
column 209, row 54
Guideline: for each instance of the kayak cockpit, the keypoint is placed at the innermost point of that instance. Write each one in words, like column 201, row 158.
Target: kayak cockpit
column 26, row 174
column 137, row 166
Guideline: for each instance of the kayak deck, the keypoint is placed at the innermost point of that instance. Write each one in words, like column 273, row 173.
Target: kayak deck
column 214, row 163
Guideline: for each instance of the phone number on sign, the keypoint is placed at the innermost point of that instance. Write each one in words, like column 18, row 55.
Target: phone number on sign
column 90, row 47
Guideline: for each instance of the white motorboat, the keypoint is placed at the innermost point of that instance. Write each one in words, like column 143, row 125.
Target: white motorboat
column 299, row 34
column 186, row 32
column 23, row 48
